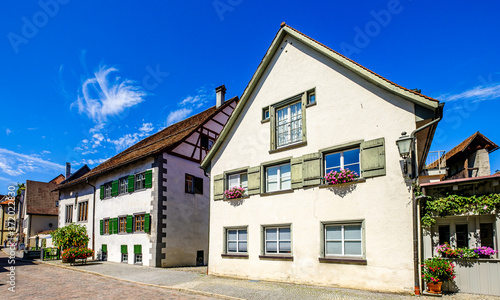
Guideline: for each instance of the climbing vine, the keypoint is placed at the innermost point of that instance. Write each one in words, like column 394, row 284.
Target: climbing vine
column 457, row 205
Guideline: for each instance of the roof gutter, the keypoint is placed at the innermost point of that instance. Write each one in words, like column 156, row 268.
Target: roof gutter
column 416, row 219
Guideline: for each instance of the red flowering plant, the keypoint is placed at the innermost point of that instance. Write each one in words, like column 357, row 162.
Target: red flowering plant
column 77, row 253
column 437, row 269
column 234, row 192
column 342, row 176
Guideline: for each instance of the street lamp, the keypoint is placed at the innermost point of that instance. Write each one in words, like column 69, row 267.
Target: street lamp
column 404, row 145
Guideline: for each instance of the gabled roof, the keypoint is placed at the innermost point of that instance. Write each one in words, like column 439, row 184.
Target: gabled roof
column 477, row 138
column 40, row 198
column 365, row 73
column 161, row 141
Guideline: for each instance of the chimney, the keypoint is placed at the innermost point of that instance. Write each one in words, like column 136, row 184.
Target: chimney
column 221, row 94
column 68, row 170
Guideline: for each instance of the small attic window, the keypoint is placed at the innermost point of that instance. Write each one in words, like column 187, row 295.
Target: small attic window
column 206, row 142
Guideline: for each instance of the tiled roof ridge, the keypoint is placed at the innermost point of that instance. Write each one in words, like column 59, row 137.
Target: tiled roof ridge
column 352, row 61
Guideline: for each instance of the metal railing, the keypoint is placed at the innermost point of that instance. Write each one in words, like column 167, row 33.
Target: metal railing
column 435, row 160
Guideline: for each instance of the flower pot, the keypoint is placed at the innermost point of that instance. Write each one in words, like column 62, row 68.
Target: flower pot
column 434, row 288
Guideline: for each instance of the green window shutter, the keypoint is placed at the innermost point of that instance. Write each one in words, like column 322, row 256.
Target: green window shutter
column 104, row 248
column 102, row 192
column 373, row 158
column 254, row 181
column 303, row 107
column 311, row 169
column 147, row 223
column 114, row 188
column 272, row 122
column 198, row 185
column 131, row 182
column 102, row 227
column 296, row 169
column 149, row 179
column 137, row 249
column 115, row 225
column 124, row 249
column 130, row 223
column 219, row 187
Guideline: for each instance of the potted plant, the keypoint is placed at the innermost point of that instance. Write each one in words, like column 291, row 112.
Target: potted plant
column 72, row 254
column 234, row 192
column 484, row 252
column 342, row 176
column 436, row 270
column 446, row 251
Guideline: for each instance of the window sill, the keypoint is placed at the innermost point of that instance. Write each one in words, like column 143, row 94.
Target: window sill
column 276, row 257
column 277, row 192
column 236, row 199
column 228, row 255
column 264, row 121
column 360, row 180
column 344, row 260
column 310, row 104
column 292, row 146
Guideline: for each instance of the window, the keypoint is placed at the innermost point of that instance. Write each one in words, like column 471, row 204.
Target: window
column 236, row 240
column 486, row 231
column 265, row 114
column 140, row 181
column 278, row 240
column 106, row 226
column 83, row 208
column 123, row 185
column 278, row 178
column 139, row 222
column 206, row 142
column 104, row 252
column 289, row 124
column 343, row 240
column 462, row 232
column 122, row 225
column 348, row 159
column 193, row 185
column 189, row 184
column 138, row 258
column 444, row 234
column 311, row 97
column 107, row 189
column 238, row 180
column 69, row 213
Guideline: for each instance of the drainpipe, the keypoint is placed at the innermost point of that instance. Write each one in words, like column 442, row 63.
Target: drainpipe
column 416, row 223
column 93, row 219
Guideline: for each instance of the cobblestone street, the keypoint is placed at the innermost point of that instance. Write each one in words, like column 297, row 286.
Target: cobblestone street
column 107, row 280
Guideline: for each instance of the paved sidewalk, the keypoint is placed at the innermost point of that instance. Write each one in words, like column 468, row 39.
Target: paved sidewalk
column 195, row 280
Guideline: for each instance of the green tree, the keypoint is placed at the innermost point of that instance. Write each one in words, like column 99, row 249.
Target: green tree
column 70, row 236
column 20, row 187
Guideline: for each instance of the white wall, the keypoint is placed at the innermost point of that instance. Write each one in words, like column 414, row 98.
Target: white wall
column 348, row 109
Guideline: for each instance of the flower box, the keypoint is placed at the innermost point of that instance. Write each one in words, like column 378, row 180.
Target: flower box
column 340, row 177
column 234, row 193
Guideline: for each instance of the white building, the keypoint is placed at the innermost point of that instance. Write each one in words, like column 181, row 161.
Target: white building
column 306, row 111
column 149, row 204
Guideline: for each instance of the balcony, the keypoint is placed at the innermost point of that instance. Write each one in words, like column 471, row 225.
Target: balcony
column 435, row 164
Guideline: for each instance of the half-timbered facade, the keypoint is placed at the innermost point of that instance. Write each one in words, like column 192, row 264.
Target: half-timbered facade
column 149, row 204
column 308, row 112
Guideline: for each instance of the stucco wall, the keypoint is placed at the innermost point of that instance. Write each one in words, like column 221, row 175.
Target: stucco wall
column 186, row 214
column 348, row 109
column 481, row 160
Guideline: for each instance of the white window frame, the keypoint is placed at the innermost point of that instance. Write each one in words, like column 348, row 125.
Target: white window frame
column 123, row 186
column 278, row 240
column 240, row 183
column 69, row 213
column 125, row 257
column 343, row 239
column 280, row 178
column 237, row 240
column 140, row 181
column 342, row 164
column 138, row 258
column 85, row 205
column 288, row 124
column 108, row 187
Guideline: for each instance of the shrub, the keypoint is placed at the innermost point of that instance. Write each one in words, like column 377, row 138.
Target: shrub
column 70, row 236
column 437, row 269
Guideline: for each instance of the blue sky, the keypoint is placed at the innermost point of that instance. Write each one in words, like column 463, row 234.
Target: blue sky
column 81, row 81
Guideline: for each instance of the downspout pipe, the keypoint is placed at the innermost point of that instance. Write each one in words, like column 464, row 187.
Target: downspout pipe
column 414, row 173
column 93, row 219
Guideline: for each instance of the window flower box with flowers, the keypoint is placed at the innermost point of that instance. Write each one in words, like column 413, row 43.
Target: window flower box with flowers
column 465, row 253
column 341, row 177
column 234, row 193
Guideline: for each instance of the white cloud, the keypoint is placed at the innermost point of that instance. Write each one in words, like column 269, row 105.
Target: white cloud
column 46, row 152
column 5, row 179
column 8, row 131
column 478, row 93
column 102, row 96
column 93, row 161
column 190, row 104
column 15, row 164
column 178, row 115
column 131, row 138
